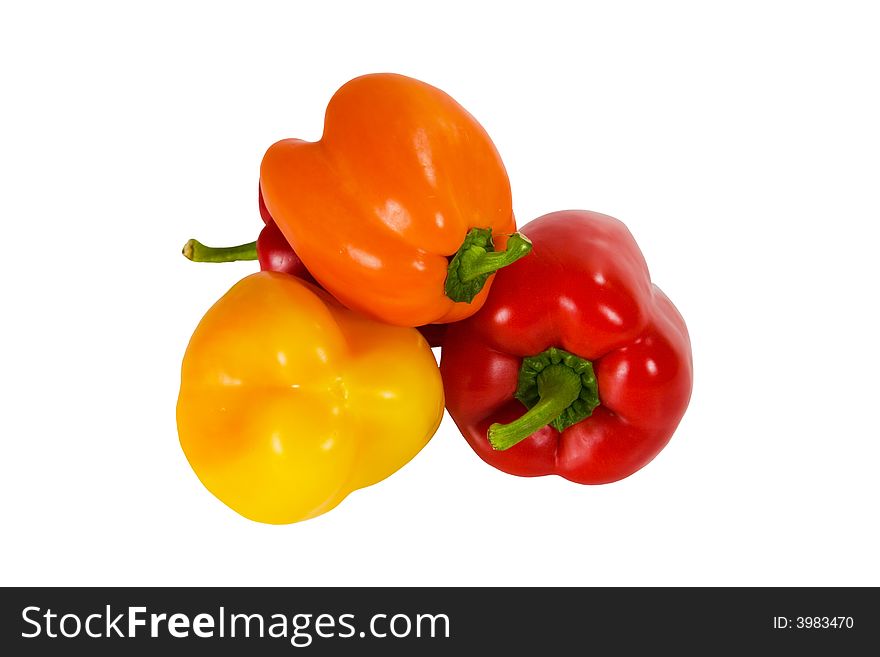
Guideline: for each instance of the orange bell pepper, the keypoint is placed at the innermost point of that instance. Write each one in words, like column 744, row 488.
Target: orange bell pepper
column 399, row 208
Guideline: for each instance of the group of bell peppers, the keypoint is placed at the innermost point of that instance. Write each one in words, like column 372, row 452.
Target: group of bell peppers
column 392, row 234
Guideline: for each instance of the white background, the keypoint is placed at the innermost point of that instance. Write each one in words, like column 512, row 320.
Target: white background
column 739, row 141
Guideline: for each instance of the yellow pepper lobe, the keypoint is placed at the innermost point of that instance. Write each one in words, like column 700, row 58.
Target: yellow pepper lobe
column 289, row 402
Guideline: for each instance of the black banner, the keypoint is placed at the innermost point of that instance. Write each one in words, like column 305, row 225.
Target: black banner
column 435, row 621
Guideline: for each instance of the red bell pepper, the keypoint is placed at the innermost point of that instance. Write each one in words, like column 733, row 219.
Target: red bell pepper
column 577, row 334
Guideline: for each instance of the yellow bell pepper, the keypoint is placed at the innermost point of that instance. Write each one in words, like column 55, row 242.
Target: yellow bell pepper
column 289, row 401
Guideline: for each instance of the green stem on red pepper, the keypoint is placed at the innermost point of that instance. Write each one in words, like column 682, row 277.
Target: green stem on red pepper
column 198, row 252
column 477, row 259
column 558, row 388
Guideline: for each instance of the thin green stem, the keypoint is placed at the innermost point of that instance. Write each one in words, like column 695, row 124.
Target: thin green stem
column 198, row 252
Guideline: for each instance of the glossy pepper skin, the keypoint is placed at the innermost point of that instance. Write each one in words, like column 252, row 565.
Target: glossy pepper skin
column 393, row 189
column 289, row 401
column 580, row 316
